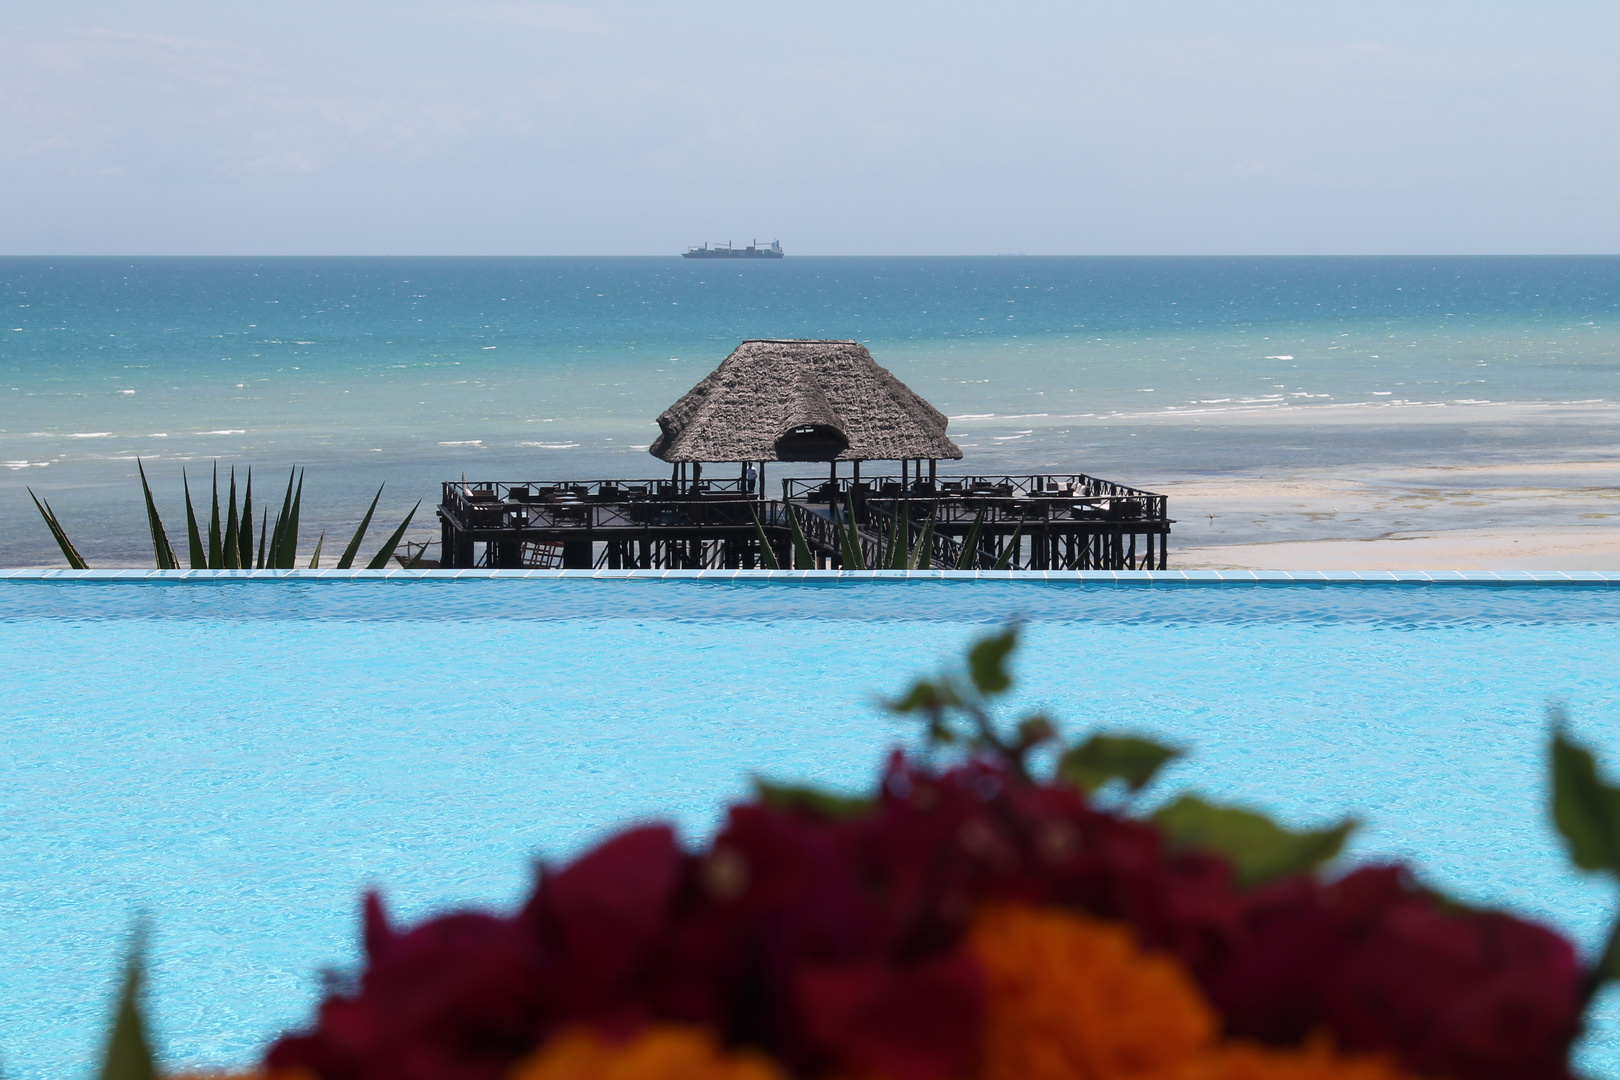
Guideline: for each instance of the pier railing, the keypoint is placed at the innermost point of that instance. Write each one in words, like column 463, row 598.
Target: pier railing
column 1005, row 497
column 1047, row 521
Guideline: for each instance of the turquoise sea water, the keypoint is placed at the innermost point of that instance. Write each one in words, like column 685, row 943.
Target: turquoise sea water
column 237, row 761
column 413, row 371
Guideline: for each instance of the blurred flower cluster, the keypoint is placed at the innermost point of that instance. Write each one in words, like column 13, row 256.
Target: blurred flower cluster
column 968, row 921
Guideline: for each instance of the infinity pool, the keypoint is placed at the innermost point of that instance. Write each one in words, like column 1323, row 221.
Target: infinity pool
column 238, row 759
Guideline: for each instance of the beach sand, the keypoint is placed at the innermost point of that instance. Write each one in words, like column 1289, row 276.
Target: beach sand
column 1539, row 516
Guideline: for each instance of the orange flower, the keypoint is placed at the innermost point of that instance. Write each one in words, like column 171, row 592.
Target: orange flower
column 658, row 1052
column 1070, row 997
column 1248, row 1061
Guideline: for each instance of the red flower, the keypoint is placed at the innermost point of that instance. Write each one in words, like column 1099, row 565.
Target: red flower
column 454, row 999
column 838, row 944
column 1386, row 968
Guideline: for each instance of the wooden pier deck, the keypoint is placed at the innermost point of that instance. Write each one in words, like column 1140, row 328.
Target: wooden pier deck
column 1033, row 522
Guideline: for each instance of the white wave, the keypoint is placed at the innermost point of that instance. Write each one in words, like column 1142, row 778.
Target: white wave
column 974, row 416
column 1279, row 358
column 562, row 445
column 225, row 431
column 464, row 442
column 92, row 434
column 24, row 464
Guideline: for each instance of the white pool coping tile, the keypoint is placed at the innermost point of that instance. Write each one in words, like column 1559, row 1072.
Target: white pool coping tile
column 1112, row 577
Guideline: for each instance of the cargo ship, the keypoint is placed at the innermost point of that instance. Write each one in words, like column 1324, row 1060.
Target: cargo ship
column 752, row 251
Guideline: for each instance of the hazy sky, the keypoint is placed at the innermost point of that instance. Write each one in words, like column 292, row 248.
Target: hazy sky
column 869, row 128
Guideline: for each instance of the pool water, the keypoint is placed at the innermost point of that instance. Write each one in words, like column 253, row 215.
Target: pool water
column 238, row 759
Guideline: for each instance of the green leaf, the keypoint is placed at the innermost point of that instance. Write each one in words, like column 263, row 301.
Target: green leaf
column 1586, row 810
column 767, row 555
column 923, row 552
column 1011, row 549
column 1259, row 849
column 69, row 552
column 1035, row 730
column 924, row 696
column 987, row 661
column 969, row 558
column 895, row 557
column 379, row 561
column 824, row 804
column 129, row 1053
column 850, row 537
column 199, row 556
column 288, row 552
column 216, row 561
column 802, row 559
column 278, row 535
column 346, row 560
column 416, row 560
column 1102, row 758
column 162, row 553
column 245, row 536
column 233, row 533
column 315, row 559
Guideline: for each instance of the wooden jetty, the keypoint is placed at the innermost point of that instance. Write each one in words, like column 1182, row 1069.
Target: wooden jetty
column 797, row 402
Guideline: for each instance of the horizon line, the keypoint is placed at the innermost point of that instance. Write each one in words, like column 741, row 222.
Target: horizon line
column 821, row 255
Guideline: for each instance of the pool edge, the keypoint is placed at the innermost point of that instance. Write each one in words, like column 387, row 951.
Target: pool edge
column 1114, row 577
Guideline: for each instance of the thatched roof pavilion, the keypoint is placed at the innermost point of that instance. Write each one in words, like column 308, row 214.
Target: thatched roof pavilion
column 801, row 401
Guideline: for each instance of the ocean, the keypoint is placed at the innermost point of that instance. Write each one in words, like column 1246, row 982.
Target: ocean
column 407, row 372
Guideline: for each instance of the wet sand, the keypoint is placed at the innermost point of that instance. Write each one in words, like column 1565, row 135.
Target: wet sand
column 1547, row 516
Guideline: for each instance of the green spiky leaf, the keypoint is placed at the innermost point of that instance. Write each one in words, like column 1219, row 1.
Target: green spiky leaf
column 802, row 559
column 199, row 554
column 1104, row 758
column 1258, row 848
column 379, row 561
column 216, row 559
column 346, row 560
column 129, row 1052
column 922, row 554
column 162, row 553
column 287, row 554
column 278, row 535
column 1011, row 549
column 850, row 537
column 244, row 556
column 969, row 558
column 767, row 555
column 69, row 552
column 232, row 543
column 315, row 559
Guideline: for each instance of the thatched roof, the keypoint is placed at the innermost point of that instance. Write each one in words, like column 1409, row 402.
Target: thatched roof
column 801, row 401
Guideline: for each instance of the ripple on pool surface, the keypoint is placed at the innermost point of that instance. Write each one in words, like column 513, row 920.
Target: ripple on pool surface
column 240, row 760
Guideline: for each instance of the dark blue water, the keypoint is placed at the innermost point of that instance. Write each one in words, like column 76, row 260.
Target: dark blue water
column 413, row 371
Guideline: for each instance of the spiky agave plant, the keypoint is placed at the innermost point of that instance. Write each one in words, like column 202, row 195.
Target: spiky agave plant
column 228, row 544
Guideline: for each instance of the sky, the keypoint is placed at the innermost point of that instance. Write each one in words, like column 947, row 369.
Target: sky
column 1141, row 128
